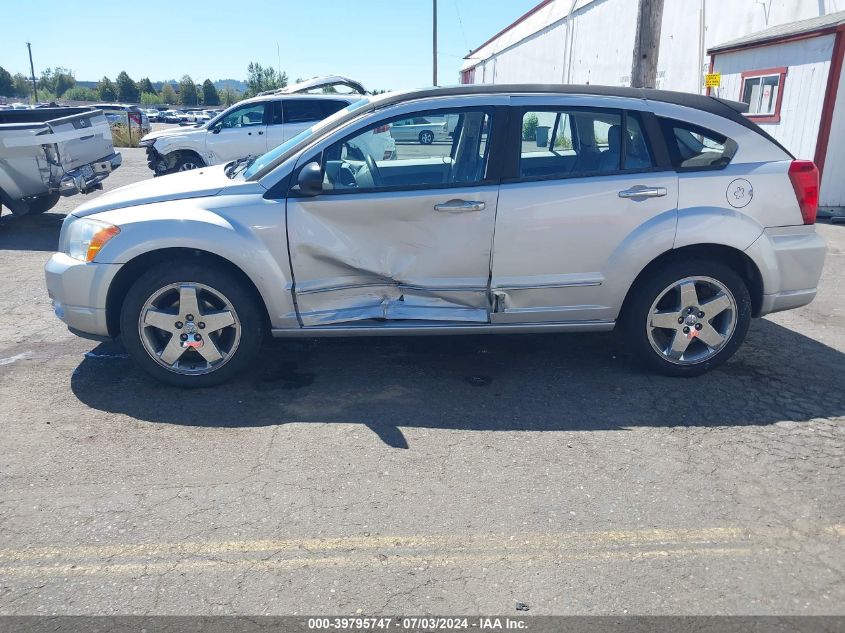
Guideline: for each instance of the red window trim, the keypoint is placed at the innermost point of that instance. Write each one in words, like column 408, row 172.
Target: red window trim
column 750, row 74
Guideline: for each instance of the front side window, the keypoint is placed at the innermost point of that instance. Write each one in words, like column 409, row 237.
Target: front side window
column 762, row 91
column 692, row 147
column 411, row 152
column 245, row 116
column 572, row 143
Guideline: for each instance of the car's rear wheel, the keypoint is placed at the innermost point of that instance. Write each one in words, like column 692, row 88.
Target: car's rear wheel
column 426, row 137
column 687, row 318
column 190, row 325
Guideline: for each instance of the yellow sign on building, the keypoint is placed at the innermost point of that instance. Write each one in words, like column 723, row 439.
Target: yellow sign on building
column 713, row 80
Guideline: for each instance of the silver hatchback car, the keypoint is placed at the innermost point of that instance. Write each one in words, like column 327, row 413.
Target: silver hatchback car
column 552, row 209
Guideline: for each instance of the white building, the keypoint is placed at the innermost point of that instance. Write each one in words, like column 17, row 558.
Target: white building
column 591, row 42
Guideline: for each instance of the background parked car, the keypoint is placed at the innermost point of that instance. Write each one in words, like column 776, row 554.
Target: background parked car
column 424, row 130
column 250, row 128
column 46, row 153
column 120, row 114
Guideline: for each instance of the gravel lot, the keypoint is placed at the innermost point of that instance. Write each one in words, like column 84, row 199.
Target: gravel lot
column 419, row 475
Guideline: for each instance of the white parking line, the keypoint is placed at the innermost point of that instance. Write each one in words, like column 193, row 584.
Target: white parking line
column 14, row 359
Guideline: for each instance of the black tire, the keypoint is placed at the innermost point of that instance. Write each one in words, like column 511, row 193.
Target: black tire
column 243, row 302
column 646, row 291
column 16, row 207
column 42, row 204
column 186, row 162
column 426, row 137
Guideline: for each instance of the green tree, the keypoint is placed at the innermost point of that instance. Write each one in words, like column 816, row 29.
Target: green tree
column 56, row 80
column 168, row 94
column 260, row 79
column 209, row 94
column 187, row 91
column 106, row 90
column 6, row 85
column 228, row 96
column 150, row 99
column 21, row 86
column 145, row 85
column 46, row 96
column 81, row 93
column 529, row 127
column 126, row 88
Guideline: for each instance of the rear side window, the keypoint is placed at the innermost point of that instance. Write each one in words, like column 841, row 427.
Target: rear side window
column 329, row 107
column 692, row 147
column 310, row 110
column 582, row 142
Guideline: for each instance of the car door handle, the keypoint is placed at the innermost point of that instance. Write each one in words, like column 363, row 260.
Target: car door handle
column 260, row 133
column 643, row 192
column 459, row 206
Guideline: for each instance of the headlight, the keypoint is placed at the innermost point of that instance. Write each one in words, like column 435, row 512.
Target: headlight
column 85, row 238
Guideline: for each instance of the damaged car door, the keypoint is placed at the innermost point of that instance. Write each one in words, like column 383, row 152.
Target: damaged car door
column 375, row 241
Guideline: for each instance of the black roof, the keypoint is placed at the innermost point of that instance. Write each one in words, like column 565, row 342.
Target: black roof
column 700, row 102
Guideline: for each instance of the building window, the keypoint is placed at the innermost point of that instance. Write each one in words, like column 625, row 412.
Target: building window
column 762, row 90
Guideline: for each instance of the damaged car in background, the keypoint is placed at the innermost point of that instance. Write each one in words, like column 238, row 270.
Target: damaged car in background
column 46, row 153
column 255, row 126
column 668, row 215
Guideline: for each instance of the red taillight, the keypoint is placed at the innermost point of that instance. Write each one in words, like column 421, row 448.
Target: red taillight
column 381, row 129
column 805, row 180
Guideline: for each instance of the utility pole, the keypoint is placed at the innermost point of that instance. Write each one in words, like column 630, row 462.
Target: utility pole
column 32, row 71
column 647, row 44
column 434, row 42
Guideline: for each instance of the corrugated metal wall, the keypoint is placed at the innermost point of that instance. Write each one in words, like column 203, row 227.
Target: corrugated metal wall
column 808, row 63
column 595, row 43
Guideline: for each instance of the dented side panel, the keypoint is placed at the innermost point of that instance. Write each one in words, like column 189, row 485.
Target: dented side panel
column 391, row 256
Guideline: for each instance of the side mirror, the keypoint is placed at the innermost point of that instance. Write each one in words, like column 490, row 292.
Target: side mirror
column 216, row 129
column 310, row 179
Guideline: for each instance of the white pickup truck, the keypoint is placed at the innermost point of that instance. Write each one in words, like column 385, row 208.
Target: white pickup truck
column 46, row 153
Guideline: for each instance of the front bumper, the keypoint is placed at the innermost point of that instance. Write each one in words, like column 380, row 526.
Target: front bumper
column 89, row 177
column 790, row 260
column 156, row 161
column 79, row 291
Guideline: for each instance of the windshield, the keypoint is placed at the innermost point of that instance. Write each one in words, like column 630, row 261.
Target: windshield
column 279, row 152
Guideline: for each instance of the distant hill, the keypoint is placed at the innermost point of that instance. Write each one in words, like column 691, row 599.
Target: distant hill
column 234, row 84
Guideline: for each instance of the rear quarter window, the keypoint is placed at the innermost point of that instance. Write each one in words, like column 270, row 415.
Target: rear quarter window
column 696, row 148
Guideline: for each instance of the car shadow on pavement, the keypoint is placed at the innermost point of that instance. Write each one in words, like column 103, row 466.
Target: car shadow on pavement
column 30, row 232
column 478, row 383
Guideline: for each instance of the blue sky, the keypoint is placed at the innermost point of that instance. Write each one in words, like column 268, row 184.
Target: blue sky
column 384, row 44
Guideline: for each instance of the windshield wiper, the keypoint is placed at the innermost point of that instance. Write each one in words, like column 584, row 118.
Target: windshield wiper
column 236, row 166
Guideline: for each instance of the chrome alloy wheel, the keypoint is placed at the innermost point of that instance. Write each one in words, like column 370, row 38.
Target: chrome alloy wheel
column 187, row 166
column 189, row 328
column 692, row 320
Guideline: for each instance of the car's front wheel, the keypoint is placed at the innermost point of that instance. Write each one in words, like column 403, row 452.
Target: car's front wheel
column 187, row 162
column 191, row 325
column 688, row 317
column 426, row 137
